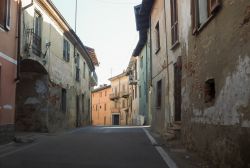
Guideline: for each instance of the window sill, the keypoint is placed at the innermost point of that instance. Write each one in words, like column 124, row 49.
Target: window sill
column 4, row 28
column 156, row 52
column 175, row 45
column 196, row 31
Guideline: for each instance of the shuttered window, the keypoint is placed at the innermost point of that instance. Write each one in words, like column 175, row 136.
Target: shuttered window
column 202, row 12
column 174, row 22
column 66, row 50
column 5, row 14
column 159, row 94
column 157, row 38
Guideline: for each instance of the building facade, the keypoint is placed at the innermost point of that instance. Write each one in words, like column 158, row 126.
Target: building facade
column 101, row 106
column 9, row 16
column 200, row 75
column 120, row 100
column 56, row 72
column 215, row 89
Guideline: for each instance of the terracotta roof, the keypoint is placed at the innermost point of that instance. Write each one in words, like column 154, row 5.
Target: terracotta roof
column 92, row 55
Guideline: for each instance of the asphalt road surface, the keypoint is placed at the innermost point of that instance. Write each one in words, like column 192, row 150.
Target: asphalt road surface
column 91, row 147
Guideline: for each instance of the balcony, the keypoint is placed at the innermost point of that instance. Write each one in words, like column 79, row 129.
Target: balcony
column 132, row 82
column 125, row 94
column 113, row 96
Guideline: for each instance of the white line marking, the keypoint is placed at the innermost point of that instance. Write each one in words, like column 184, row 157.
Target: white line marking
column 161, row 151
column 17, row 150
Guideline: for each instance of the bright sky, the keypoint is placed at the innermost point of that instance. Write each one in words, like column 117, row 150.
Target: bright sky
column 108, row 26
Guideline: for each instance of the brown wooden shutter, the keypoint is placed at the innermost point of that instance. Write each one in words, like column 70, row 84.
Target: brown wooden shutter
column 214, row 5
column 194, row 15
column 174, row 21
column 2, row 12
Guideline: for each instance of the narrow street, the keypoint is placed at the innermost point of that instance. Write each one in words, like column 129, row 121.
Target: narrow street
column 91, row 147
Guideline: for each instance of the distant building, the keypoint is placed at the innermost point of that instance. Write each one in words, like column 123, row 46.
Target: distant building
column 101, row 106
column 119, row 98
column 9, row 40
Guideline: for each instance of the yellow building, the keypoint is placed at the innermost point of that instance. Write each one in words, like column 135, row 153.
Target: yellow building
column 119, row 98
column 101, row 112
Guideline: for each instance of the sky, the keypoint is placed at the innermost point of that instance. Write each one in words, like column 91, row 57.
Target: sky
column 108, row 26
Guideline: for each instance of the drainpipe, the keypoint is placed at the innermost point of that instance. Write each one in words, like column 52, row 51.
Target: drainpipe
column 150, row 71
column 169, row 109
column 19, row 9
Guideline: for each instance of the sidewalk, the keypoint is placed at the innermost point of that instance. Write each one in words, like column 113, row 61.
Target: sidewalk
column 177, row 152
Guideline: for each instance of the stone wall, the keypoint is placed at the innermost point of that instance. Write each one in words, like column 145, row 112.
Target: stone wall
column 219, row 128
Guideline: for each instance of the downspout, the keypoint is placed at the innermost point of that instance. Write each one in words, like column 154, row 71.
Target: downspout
column 150, row 71
column 168, row 100
column 19, row 9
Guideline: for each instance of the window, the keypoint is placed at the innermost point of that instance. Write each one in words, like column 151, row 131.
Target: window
column 202, row 11
column 123, row 88
column 100, row 94
column 83, row 103
column 105, row 93
column 96, row 107
column 135, row 91
column 5, row 14
column 158, row 94
column 64, row 100
column 140, row 91
column 174, row 22
column 135, row 71
column 78, row 67
column 84, row 69
column 115, row 91
column 141, row 62
column 37, row 34
column 157, row 38
column 209, row 90
column 66, row 50
column 123, row 104
column 105, row 107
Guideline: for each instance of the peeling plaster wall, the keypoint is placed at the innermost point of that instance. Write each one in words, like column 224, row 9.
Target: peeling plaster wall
column 32, row 104
column 219, row 130
column 160, row 116
column 61, row 75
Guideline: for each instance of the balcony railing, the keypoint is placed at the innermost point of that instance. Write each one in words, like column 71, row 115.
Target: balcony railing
column 114, row 96
column 125, row 94
column 36, row 44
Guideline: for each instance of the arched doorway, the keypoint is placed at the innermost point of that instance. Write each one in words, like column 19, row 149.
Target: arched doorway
column 31, row 97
